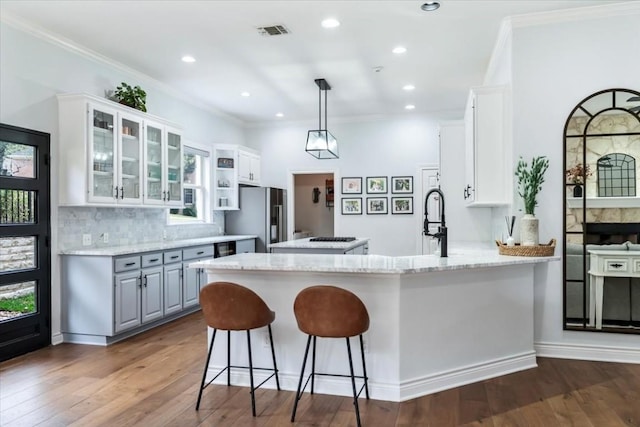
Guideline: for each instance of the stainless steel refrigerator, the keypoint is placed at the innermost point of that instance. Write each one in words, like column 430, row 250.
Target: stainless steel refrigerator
column 263, row 212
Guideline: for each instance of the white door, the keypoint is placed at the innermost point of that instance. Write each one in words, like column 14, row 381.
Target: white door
column 430, row 180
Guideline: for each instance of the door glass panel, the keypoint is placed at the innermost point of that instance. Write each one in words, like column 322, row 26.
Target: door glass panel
column 16, row 160
column 174, row 167
column 103, row 148
column 153, row 157
column 17, row 253
column 17, row 299
column 130, row 159
column 17, row 206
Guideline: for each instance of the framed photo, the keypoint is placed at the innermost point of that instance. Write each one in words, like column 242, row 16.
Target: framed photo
column 352, row 206
column 376, row 185
column 402, row 184
column 352, row 185
column 402, row 205
column 377, row 206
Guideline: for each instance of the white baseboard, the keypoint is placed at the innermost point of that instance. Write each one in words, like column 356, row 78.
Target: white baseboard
column 56, row 339
column 386, row 391
column 466, row 375
column 599, row 353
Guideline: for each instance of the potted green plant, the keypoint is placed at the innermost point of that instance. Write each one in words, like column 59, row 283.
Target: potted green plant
column 131, row 96
column 530, row 179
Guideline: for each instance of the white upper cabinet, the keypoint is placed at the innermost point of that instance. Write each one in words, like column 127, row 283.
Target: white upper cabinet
column 112, row 155
column 486, row 145
column 249, row 167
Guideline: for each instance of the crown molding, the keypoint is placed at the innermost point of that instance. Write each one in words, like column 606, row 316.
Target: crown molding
column 503, row 43
column 577, row 14
column 55, row 39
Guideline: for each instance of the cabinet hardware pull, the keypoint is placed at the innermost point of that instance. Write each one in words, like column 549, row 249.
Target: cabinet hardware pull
column 139, row 280
column 200, row 253
column 175, row 256
column 616, row 265
column 164, row 196
column 122, row 192
column 154, row 260
column 116, row 191
column 168, row 196
column 129, row 264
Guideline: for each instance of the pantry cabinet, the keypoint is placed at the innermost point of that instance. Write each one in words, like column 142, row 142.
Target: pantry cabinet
column 113, row 155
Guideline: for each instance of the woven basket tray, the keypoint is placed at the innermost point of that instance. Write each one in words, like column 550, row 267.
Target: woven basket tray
column 517, row 250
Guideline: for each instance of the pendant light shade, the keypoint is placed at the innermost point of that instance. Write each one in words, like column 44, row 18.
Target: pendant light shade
column 320, row 143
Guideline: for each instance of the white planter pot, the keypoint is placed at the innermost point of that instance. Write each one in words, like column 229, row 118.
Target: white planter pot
column 529, row 230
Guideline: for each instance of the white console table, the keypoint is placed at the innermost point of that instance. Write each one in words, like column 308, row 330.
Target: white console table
column 608, row 264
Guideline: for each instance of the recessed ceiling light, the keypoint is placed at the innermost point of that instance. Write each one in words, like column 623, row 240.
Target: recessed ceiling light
column 399, row 49
column 188, row 58
column 408, row 87
column 409, row 107
column 245, row 94
column 330, row 23
column 430, row 6
column 279, row 115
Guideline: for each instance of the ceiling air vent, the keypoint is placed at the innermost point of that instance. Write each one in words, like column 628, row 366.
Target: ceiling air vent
column 273, row 30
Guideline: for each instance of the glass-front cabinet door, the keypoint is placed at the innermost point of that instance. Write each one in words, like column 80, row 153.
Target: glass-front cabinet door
column 173, row 188
column 153, row 165
column 130, row 155
column 102, row 154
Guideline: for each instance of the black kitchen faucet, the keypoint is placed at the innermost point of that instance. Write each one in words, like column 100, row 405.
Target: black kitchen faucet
column 441, row 235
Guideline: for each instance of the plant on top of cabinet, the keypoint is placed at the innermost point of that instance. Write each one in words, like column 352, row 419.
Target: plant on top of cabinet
column 131, row 96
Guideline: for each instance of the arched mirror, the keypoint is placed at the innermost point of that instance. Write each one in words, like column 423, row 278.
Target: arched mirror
column 602, row 213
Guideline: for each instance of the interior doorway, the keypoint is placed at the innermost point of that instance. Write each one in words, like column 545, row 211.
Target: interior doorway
column 25, row 270
column 312, row 204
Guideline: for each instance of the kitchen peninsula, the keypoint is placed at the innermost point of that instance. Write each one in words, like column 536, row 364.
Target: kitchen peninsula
column 322, row 245
column 435, row 323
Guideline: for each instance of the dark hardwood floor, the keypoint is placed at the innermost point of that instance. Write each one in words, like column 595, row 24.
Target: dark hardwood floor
column 152, row 380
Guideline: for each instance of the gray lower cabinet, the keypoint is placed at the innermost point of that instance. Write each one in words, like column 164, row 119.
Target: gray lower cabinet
column 173, row 282
column 246, row 246
column 108, row 298
column 194, row 278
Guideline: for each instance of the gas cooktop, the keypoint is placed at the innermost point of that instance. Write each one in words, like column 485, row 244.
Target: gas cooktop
column 332, row 239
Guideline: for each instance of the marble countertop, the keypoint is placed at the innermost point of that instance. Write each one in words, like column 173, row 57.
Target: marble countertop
column 372, row 264
column 307, row 244
column 152, row 246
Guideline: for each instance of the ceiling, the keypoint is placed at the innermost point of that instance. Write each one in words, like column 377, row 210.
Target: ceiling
column 448, row 50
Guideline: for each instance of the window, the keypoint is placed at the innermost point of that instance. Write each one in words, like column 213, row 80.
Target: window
column 616, row 175
column 196, row 188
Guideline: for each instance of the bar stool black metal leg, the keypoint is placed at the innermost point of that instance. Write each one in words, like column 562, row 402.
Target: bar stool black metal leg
column 353, row 384
column 364, row 368
column 313, row 363
column 253, row 396
column 273, row 354
column 206, row 366
column 304, row 364
column 228, row 358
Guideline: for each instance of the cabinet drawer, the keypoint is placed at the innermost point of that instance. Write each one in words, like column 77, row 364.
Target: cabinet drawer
column 151, row 260
column 198, row 252
column 636, row 266
column 126, row 264
column 172, row 256
column 620, row 265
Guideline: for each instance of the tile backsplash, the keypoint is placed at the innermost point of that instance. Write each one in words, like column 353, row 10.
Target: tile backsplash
column 126, row 226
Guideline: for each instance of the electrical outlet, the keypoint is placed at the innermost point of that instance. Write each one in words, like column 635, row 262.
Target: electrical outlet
column 105, row 237
column 265, row 340
column 86, row 239
column 164, row 233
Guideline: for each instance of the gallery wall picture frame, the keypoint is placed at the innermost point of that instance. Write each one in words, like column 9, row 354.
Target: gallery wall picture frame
column 377, row 185
column 402, row 184
column 352, row 185
column 352, row 206
column 377, row 206
column 402, row 205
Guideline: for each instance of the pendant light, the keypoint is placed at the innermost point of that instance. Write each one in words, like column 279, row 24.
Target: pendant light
column 320, row 143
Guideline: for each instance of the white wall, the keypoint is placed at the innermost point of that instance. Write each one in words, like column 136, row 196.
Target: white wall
column 555, row 66
column 33, row 70
column 314, row 217
column 393, row 146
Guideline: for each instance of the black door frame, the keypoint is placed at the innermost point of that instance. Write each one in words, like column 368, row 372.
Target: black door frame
column 32, row 331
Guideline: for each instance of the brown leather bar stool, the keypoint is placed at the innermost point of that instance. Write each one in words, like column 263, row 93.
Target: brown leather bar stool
column 331, row 312
column 231, row 307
